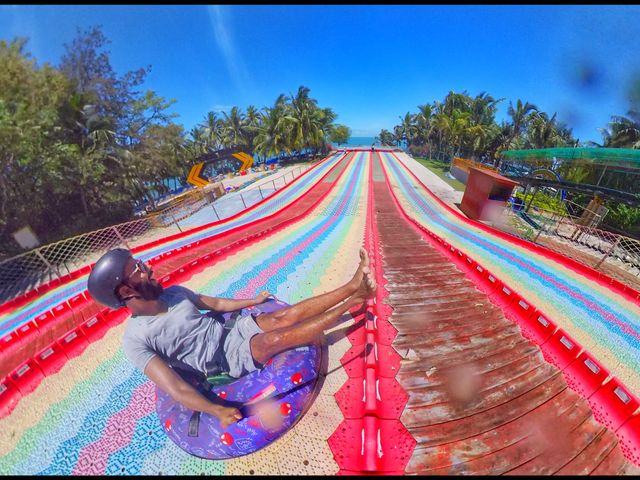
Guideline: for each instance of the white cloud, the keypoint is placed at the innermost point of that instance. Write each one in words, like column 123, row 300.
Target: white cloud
column 224, row 39
column 221, row 108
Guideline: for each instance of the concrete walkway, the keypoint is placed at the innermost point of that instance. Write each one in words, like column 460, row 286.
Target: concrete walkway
column 442, row 189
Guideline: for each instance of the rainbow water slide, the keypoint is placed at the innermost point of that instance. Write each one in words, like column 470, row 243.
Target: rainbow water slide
column 96, row 414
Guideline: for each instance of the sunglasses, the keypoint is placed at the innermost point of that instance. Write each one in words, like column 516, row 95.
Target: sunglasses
column 140, row 267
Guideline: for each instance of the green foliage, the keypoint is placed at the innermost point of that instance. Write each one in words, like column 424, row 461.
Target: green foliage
column 80, row 145
column 623, row 218
column 462, row 125
column 544, row 202
column 340, row 134
column 441, row 169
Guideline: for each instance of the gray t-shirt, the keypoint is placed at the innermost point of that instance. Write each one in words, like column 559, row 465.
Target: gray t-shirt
column 183, row 336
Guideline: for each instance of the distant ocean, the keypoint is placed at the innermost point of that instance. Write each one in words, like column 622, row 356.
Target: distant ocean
column 359, row 141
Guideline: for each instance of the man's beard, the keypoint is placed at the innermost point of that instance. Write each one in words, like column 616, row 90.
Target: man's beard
column 149, row 290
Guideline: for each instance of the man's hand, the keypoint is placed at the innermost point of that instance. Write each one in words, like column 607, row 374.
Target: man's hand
column 228, row 415
column 262, row 296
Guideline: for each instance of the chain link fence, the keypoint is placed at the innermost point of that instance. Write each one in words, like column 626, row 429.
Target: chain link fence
column 579, row 237
column 36, row 267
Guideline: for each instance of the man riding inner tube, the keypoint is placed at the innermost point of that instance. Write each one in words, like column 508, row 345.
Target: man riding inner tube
column 168, row 329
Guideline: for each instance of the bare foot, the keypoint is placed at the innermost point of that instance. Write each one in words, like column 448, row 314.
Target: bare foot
column 366, row 289
column 364, row 263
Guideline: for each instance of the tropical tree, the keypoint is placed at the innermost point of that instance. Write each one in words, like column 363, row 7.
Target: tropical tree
column 212, row 131
column 519, row 116
column 234, row 131
column 340, row 134
column 385, row 137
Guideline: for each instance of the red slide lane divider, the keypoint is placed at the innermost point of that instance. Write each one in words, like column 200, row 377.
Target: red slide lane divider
column 27, row 297
column 371, row 438
column 25, row 378
column 28, row 338
column 618, row 287
column 613, row 404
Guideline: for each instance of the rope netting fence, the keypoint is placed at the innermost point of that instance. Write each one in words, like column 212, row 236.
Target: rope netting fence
column 616, row 255
column 36, row 267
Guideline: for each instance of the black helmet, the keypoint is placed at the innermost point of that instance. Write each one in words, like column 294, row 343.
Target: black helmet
column 106, row 275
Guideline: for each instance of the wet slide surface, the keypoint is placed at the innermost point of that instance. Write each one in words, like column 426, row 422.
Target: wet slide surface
column 482, row 400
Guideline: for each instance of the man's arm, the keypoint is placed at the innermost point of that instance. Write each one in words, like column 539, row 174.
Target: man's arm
column 169, row 381
column 229, row 304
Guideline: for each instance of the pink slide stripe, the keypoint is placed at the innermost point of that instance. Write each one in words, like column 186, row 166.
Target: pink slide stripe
column 117, row 433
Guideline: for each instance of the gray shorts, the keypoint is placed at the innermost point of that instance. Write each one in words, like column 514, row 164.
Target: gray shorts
column 237, row 349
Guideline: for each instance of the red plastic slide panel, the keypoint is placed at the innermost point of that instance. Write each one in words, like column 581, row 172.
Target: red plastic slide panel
column 114, row 317
column 28, row 332
column 10, row 343
column 383, row 397
column 585, row 375
column 9, row 396
column 180, row 275
column 27, row 376
column 46, row 323
column 629, row 437
column 47, row 287
column 78, row 301
column 383, row 358
column 384, row 331
column 560, row 349
column 95, row 328
column 64, row 314
column 74, row 342
column 44, row 320
column 9, row 306
column 613, row 404
column 51, row 359
column 388, row 443
column 18, row 301
column 489, row 283
column 506, row 297
column 521, row 308
column 537, row 327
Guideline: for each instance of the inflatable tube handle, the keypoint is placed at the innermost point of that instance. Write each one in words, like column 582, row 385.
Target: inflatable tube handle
column 194, row 425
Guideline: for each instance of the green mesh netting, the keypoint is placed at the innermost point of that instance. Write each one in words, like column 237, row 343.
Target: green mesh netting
column 624, row 157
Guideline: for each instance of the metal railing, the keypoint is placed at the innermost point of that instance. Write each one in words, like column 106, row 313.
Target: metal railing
column 36, row 267
column 616, row 255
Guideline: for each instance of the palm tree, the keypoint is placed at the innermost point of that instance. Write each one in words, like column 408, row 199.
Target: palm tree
column 274, row 131
column 542, row 132
column 234, row 129
column 198, row 144
column 519, row 115
column 408, row 127
column 423, row 124
column 484, row 108
column 456, row 101
column 252, row 122
column 213, row 131
column 308, row 125
column 386, row 137
column 625, row 131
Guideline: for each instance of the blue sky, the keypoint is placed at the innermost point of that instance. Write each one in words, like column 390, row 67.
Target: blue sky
column 370, row 64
